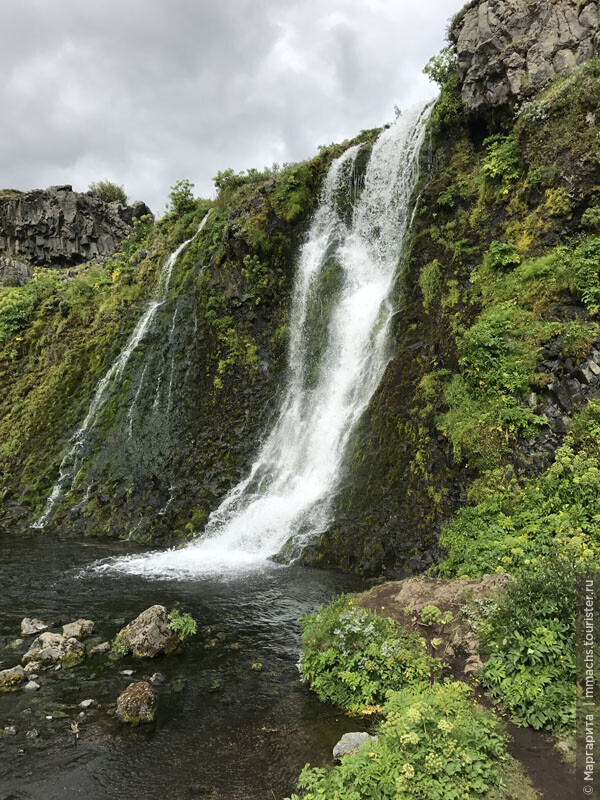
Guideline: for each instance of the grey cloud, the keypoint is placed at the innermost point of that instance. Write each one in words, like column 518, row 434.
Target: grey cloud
column 145, row 92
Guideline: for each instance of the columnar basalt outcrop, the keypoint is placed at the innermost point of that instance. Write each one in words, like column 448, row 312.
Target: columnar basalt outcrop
column 510, row 49
column 57, row 227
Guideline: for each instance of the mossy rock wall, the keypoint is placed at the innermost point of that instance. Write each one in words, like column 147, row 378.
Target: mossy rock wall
column 497, row 329
column 181, row 427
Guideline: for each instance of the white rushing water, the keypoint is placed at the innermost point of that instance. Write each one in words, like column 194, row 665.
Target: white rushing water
column 73, row 461
column 288, row 493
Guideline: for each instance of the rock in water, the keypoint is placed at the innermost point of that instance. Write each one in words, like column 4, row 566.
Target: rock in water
column 32, row 625
column 78, row 629
column 11, row 679
column 149, row 634
column 52, row 648
column 351, row 743
column 31, row 686
column 137, row 704
column 103, row 647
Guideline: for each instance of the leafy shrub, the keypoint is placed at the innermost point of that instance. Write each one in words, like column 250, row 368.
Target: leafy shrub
column 557, row 511
column 181, row 198
column 442, row 69
column 501, row 165
column 502, row 255
column 530, row 638
column 17, row 304
column 591, row 218
column 118, row 648
column 435, row 744
column 430, row 282
column 353, row 657
column 108, row 192
column 184, row 625
column 585, row 273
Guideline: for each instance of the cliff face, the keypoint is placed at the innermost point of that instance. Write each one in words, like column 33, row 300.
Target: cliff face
column 57, row 227
column 480, row 429
column 510, row 49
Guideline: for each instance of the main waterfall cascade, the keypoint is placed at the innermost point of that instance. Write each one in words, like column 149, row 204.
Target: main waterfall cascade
column 287, row 497
column 74, row 459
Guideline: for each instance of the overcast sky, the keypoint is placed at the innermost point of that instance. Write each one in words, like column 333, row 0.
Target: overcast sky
column 145, row 92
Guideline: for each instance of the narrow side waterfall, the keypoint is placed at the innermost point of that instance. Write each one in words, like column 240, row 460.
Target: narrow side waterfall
column 74, row 459
column 346, row 270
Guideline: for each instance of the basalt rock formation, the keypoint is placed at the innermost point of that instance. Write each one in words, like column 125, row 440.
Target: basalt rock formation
column 57, row 227
column 510, row 49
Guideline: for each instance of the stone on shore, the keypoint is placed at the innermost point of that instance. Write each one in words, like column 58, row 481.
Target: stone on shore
column 350, row 743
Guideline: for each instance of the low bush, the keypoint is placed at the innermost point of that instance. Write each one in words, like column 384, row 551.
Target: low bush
column 108, row 192
column 354, row 658
column 435, row 744
column 530, row 640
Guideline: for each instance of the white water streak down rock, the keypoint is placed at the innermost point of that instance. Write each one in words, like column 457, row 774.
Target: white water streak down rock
column 287, row 495
column 72, row 461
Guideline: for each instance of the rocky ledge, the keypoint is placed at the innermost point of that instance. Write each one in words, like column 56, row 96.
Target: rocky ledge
column 57, row 227
column 510, row 49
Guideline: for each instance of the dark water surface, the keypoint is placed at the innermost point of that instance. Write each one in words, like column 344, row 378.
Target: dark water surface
column 223, row 730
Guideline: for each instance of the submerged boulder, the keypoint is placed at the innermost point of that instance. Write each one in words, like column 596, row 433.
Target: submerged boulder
column 149, row 633
column 137, row 704
column 12, row 679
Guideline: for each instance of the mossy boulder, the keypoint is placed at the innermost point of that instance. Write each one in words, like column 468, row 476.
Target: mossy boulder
column 12, row 679
column 149, row 634
column 137, row 704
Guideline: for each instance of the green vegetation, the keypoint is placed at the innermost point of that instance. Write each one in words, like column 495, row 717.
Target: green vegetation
column 118, row 648
column 108, row 192
column 184, row 625
column 433, row 743
column 353, row 658
column 530, row 641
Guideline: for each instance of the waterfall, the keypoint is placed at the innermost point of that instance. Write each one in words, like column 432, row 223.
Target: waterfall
column 73, row 461
column 287, row 497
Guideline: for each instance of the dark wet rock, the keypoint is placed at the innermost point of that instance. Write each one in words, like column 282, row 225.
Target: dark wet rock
column 12, row 679
column 78, row 629
column 14, row 272
column 31, row 625
column 350, row 743
column 508, row 50
column 57, row 227
column 137, row 704
column 149, row 633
